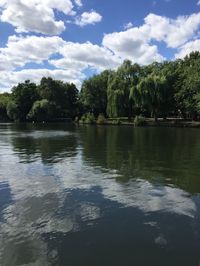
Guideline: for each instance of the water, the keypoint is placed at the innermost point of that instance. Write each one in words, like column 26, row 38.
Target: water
column 99, row 196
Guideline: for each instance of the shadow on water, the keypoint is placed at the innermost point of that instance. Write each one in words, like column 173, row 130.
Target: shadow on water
column 161, row 155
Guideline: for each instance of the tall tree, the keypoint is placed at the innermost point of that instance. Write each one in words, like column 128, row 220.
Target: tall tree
column 119, row 86
column 94, row 93
column 63, row 95
column 188, row 85
column 23, row 96
column 150, row 93
column 4, row 100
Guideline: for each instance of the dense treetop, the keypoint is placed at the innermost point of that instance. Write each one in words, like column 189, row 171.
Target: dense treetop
column 165, row 89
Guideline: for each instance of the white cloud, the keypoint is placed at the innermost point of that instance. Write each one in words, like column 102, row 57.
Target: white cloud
column 10, row 79
column 188, row 48
column 78, row 3
column 198, row 3
column 138, row 44
column 174, row 32
column 22, row 50
column 35, row 15
column 87, row 18
column 133, row 44
column 92, row 55
column 128, row 25
column 74, row 58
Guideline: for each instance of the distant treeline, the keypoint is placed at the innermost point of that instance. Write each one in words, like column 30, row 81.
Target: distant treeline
column 167, row 89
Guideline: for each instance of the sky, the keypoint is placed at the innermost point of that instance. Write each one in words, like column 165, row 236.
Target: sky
column 71, row 40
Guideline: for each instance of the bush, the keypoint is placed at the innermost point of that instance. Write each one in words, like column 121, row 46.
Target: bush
column 139, row 121
column 42, row 111
column 13, row 111
column 101, row 119
column 87, row 118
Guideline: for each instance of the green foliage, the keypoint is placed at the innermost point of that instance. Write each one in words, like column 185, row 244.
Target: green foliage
column 188, row 86
column 93, row 94
column 101, row 120
column 24, row 95
column 13, row 111
column 4, row 100
column 42, row 110
column 139, row 121
column 150, row 93
column 64, row 95
column 88, row 118
column 167, row 89
column 119, row 86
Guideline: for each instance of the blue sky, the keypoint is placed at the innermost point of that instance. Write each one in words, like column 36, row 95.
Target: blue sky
column 72, row 39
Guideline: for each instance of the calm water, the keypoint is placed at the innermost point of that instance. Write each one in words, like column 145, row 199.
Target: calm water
column 99, row 196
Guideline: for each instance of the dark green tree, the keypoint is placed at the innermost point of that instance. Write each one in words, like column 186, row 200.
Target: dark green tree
column 63, row 95
column 13, row 111
column 188, row 86
column 23, row 96
column 93, row 94
column 119, row 86
column 42, row 110
column 4, row 100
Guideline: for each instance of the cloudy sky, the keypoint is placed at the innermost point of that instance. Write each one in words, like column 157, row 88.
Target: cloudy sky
column 73, row 39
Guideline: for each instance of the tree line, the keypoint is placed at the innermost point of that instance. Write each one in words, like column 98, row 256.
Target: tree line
column 167, row 89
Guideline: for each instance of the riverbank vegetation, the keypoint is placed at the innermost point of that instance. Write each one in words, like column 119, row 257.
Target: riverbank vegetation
column 170, row 89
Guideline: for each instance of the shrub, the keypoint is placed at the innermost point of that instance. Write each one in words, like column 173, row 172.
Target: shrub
column 13, row 111
column 101, row 119
column 139, row 121
column 42, row 110
column 87, row 118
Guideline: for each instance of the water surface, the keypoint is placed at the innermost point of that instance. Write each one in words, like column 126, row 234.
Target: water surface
column 99, row 196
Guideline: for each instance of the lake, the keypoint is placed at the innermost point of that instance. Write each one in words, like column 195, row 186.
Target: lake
column 99, row 196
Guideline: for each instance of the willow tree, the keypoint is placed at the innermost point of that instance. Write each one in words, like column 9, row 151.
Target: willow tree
column 119, row 86
column 150, row 93
column 117, row 100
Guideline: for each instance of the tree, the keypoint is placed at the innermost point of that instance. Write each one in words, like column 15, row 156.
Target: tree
column 13, row 111
column 119, row 86
column 63, row 95
column 4, row 100
column 42, row 110
column 188, row 86
column 150, row 93
column 93, row 94
column 23, row 96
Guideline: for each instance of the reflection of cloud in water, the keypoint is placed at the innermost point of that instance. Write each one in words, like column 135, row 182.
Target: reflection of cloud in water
column 40, row 192
column 29, row 218
column 136, row 193
column 37, row 134
column 38, row 197
column 160, row 240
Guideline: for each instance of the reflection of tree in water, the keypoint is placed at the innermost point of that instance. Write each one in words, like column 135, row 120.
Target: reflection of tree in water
column 51, row 143
column 163, row 155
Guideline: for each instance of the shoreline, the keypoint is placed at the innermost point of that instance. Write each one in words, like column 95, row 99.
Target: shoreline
column 113, row 122
column 148, row 122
